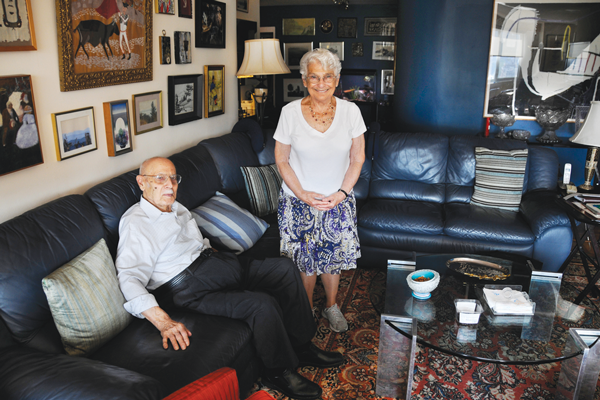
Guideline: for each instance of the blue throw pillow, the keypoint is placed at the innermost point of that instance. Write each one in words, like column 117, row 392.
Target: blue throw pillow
column 227, row 225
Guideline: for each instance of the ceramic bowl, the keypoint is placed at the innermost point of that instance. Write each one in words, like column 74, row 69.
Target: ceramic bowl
column 422, row 289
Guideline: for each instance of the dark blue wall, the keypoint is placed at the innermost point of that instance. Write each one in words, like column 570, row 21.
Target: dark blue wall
column 442, row 57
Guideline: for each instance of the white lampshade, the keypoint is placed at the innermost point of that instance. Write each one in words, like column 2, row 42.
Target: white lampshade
column 262, row 57
column 589, row 133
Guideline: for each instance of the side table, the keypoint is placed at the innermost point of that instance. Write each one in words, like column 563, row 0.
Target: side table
column 581, row 230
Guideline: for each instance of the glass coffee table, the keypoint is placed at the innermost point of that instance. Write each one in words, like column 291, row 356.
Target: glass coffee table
column 558, row 331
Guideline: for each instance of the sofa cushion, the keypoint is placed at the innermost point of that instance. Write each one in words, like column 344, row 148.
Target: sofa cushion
column 263, row 185
column 416, row 217
column 227, row 225
column 486, row 224
column 85, row 301
column 499, row 176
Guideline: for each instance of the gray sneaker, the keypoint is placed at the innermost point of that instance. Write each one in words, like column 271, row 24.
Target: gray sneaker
column 336, row 319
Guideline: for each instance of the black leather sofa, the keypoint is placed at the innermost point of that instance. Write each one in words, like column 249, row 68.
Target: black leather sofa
column 397, row 215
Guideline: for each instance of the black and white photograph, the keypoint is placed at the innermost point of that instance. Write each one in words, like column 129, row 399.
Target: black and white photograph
column 336, row 48
column 347, row 27
column 380, row 26
column 210, row 24
column 383, row 51
column 293, row 89
column 293, row 52
column 387, row 81
column 185, row 98
column 183, row 47
column 165, row 49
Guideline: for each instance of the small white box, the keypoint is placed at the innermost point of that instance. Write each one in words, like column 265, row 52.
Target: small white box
column 468, row 311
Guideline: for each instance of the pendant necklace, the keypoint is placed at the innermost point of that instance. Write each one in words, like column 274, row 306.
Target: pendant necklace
column 324, row 114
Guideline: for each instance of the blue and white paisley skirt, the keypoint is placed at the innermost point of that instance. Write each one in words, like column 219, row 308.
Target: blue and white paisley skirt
column 321, row 242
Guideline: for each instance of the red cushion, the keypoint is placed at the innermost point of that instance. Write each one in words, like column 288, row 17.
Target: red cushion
column 261, row 395
column 219, row 385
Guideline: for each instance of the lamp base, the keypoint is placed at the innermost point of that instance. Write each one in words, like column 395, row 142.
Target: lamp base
column 591, row 162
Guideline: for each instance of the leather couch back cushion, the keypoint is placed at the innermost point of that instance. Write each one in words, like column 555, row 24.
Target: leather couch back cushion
column 229, row 153
column 543, row 167
column 419, row 159
column 33, row 245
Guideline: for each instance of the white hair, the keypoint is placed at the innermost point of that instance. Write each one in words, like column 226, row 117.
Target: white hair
column 327, row 59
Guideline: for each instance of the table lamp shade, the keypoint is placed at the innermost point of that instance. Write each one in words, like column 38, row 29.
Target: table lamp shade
column 262, row 57
column 589, row 133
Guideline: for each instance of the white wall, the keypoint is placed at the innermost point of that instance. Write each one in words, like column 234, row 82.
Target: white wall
column 31, row 187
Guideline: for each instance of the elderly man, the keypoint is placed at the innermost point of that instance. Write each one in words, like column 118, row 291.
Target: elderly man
column 163, row 256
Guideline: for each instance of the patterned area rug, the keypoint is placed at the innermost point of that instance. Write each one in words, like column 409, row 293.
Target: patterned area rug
column 436, row 375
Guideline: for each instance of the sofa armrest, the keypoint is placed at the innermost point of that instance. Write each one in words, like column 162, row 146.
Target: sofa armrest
column 541, row 212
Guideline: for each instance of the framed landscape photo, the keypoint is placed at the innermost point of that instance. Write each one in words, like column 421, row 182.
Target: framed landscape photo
column 165, row 6
column 293, row 89
column 20, row 147
column 380, row 26
column 347, row 27
column 298, row 26
column 118, row 131
column 214, row 82
column 88, row 59
column 185, row 8
column 183, row 47
column 16, row 26
column 383, row 51
column 387, row 81
column 147, row 112
column 74, row 132
column 336, row 48
column 293, row 52
column 210, row 24
column 184, row 98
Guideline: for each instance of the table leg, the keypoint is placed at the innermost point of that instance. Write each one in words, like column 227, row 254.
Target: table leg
column 591, row 280
column 579, row 375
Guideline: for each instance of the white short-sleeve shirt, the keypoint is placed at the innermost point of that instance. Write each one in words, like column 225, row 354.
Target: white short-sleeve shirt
column 319, row 160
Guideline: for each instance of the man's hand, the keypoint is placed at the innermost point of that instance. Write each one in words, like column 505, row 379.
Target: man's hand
column 170, row 330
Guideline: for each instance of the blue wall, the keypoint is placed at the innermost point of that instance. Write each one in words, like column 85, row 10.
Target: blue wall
column 441, row 70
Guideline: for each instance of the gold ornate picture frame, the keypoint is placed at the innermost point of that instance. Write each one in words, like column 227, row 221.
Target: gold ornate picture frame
column 16, row 27
column 103, row 46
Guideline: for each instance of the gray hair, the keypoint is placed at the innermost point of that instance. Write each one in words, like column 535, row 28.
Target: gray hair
column 327, row 59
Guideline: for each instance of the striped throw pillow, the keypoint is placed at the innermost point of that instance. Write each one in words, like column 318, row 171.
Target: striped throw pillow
column 263, row 185
column 227, row 225
column 499, row 176
column 86, row 302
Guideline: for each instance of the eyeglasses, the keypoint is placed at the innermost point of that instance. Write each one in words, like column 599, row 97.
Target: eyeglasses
column 329, row 78
column 162, row 179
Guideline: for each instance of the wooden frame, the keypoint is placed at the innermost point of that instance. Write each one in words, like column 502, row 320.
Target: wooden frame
column 293, row 52
column 335, row 47
column 298, row 26
column 18, row 34
column 380, row 26
column 164, row 6
column 383, row 51
column 74, row 132
column 185, row 98
column 182, row 46
column 210, row 23
column 553, row 63
column 20, row 140
column 105, row 65
column 118, row 127
column 147, row 111
column 347, row 28
column 387, row 81
column 185, row 8
column 214, row 82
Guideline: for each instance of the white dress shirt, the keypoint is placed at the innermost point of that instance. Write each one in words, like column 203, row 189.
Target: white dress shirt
column 154, row 247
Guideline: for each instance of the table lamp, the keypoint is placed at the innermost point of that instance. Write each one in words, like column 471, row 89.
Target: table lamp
column 589, row 135
column 262, row 57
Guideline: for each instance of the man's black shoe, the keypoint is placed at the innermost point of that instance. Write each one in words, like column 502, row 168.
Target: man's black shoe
column 314, row 357
column 291, row 384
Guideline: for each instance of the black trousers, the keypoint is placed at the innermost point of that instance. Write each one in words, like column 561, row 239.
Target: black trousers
column 267, row 294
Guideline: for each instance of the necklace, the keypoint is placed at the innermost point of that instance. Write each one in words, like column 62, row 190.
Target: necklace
column 324, row 114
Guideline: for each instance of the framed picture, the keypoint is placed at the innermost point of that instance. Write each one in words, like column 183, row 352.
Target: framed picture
column 214, row 81
column 383, row 51
column 165, row 49
column 293, row 89
column 540, row 57
column 387, row 81
column 357, row 49
column 242, row 5
column 267, row 32
column 20, row 147
column 298, row 26
column 184, row 98
column 165, row 6
column 183, row 47
column 185, row 8
column 347, row 27
column 147, row 112
column 357, row 85
column 118, row 132
column 336, row 48
column 326, row 26
column 293, row 52
column 16, row 28
column 210, row 24
column 74, row 132
column 380, row 26
column 124, row 57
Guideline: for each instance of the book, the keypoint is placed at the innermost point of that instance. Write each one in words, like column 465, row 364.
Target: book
column 594, row 207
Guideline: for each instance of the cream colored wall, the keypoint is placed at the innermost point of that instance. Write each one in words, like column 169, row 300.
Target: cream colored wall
column 31, row 187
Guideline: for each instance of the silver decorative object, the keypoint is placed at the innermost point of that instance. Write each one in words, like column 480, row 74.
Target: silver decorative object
column 520, row 134
column 551, row 119
column 502, row 120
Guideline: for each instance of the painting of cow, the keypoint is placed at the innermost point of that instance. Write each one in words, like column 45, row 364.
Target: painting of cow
column 96, row 32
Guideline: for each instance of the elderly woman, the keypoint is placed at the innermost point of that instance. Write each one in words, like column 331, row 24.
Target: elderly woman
column 319, row 152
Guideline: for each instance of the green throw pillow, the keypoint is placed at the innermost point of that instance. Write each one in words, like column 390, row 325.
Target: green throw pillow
column 86, row 302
